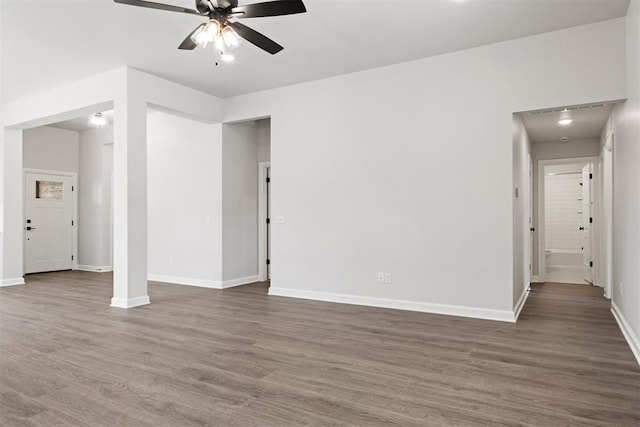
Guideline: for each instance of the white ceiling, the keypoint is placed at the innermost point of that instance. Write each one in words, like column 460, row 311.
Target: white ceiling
column 52, row 42
column 587, row 122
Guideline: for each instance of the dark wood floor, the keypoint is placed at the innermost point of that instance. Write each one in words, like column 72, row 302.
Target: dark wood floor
column 237, row 357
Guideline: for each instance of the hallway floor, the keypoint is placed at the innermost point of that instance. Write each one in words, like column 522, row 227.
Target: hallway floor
column 238, row 357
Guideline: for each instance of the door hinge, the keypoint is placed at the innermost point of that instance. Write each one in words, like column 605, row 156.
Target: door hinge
column 73, row 188
column 71, row 257
column 268, row 261
column 268, row 180
column 268, row 220
column 590, row 176
column 591, row 220
column 72, row 223
column 590, row 263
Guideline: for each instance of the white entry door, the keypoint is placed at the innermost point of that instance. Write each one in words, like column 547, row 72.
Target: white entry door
column 48, row 223
column 587, row 222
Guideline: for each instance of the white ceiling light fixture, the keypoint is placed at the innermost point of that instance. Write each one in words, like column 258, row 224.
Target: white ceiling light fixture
column 98, row 121
column 565, row 118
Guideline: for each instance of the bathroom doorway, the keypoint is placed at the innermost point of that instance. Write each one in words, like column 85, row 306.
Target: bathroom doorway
column 567, row 203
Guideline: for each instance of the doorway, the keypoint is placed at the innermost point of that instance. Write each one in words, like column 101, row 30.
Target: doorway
column 49, row 223
column 566, row 200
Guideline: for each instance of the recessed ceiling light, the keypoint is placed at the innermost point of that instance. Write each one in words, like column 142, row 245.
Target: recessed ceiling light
column 564, row 138
column 564, row 122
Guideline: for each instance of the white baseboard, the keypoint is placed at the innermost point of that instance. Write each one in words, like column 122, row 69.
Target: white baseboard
column 520, row 304
column 202, row 283
column 241, row 281
column 130, row 302
column 451, row 310
column 629, row 335
column 95, row 268
column 12, row 282
column 535, row 279
column 189, row 281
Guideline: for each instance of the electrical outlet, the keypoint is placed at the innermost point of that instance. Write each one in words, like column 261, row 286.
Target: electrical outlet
column 380, row 277
column 387, row 278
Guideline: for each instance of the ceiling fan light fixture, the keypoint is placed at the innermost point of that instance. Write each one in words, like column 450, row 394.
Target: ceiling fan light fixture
column 206, row 34
column 227, row 56
column 231, row 38
column 98, row 120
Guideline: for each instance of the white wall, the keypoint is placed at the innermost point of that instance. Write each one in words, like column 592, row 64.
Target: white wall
column 51, row 149
column 184, row 200
column 263, row 128
column 550, row 151
column 626, row 196
column 407, row 169
column 240, row 202
column 521, row 210
column 13, row 208
column 94, row 199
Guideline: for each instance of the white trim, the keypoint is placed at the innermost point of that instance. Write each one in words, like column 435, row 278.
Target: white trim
column 241, row 281
column 74, row 213
column 521, row 301
column 535, row 279
column 95, row 268
column 629, row 335
column 187, row 281
column 451, row 310
column 12, row 282
column 262, row 216
column 130, row 302
column 203, row 283
column 541, row 225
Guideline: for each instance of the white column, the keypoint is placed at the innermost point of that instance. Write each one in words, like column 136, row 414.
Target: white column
column 12, row 220
column 130, row 201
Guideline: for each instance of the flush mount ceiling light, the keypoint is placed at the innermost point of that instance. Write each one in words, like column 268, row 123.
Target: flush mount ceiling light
column 98, row 120
column 222, row 31
column 565, row 118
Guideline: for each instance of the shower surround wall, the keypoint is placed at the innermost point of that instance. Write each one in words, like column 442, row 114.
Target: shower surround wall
column 563, row 219
column 563, row 211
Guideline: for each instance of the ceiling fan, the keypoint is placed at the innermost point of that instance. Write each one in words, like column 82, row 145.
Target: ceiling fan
column 222, row 30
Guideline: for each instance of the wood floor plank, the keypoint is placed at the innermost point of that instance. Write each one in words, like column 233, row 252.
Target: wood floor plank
column 239, row 357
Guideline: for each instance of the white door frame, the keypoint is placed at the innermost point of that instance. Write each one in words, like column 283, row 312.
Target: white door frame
column 541, row 223
column 74, row 214
column 263, row 168
column 606, row 209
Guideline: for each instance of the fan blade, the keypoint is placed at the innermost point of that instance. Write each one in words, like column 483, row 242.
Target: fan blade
column 270, row 8
column 160, row 6
column 254, row 37
column 189, row 44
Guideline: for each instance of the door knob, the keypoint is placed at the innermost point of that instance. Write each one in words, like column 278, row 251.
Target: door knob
column 532, row 229
column 581, row 229
column 30, row 228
